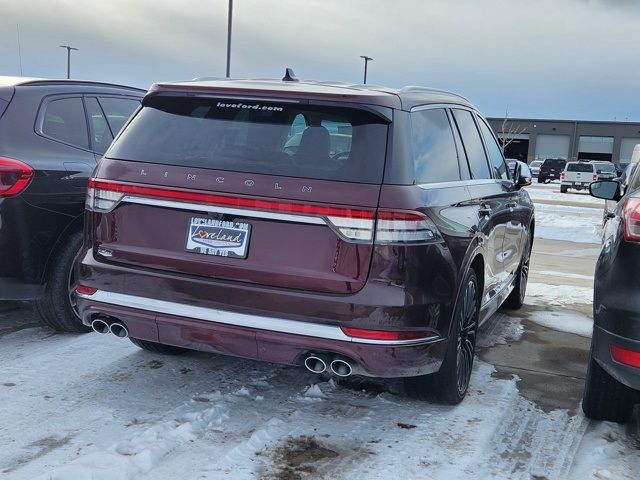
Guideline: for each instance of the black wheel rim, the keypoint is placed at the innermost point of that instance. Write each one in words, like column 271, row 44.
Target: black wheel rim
column 467, row 336
column 71, row 289
column 524, row 271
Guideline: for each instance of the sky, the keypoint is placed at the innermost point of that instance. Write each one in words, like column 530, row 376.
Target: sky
column 562, row 59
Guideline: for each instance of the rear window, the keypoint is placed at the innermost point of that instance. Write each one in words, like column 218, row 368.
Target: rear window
column 286, row 139
column 605, row 167
column 580, row 167
column 554, row 163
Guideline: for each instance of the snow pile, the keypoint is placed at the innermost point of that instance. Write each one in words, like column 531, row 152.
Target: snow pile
column 604, row 455
column 564, row 320
column 543, row 294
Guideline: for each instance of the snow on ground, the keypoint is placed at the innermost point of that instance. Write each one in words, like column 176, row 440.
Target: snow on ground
column 564, row 320
column 570, row 223
column 544, row 294
column 97, row 408
column 550, row 192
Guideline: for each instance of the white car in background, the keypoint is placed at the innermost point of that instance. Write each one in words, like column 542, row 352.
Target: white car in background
column 535, row 167
column 577, row 175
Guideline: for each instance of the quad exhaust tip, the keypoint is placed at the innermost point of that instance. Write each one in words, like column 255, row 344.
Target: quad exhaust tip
column 119, row 330
column 341, row 368
column 315, row 364
column 100, row 326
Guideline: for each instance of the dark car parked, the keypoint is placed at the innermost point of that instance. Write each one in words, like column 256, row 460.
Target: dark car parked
column 613, row 378
column 52, row 132
column 551, row 169
column 204, row 231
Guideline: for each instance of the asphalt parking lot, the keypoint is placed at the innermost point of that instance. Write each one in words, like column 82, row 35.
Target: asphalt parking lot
column 86, row 406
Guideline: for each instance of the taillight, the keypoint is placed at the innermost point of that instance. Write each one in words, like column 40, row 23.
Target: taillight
column 562, row 175
column 625, row 356
column 403, row 227
column 595, row 177
column 14, row 176
column 631, row 219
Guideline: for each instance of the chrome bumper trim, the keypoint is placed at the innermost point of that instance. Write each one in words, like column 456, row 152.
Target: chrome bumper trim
column 259, row 322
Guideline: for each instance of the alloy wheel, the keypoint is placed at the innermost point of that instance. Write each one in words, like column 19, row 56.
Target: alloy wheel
column 467, row 336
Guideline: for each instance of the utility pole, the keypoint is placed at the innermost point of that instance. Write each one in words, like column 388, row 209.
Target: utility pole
column 229, row 21
column 69, row 48
column 366, row 60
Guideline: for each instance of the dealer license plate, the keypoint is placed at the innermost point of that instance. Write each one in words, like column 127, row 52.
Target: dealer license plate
column 217, row 237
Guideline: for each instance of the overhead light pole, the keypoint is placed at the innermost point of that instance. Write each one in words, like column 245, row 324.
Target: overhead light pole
column 69, row 48
column 229, row 21
column 366, row 61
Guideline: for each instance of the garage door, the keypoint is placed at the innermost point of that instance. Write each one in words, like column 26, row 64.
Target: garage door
column 626, row 149
column 552, row 146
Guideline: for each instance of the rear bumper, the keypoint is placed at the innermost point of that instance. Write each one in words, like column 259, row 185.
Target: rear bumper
column 270, row 339
column 578, row 185
column 601, row 348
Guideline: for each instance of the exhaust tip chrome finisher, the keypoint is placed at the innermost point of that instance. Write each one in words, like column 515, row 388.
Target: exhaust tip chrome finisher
column 341, row 368
column 100, row 326
column 119, row 330
column 315, row 364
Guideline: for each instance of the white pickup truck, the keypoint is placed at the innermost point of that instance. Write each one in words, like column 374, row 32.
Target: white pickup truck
column 577, row 175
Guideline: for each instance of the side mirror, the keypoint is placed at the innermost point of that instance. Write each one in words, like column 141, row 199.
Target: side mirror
column 522, row 176
column 606, row 189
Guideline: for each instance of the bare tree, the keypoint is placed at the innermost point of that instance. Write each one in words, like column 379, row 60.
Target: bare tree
column 509, row 132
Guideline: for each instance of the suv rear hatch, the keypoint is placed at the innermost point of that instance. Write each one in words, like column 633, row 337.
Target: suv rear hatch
column 278, row 193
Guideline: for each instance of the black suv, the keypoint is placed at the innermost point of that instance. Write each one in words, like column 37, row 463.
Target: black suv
column 551, row 169
column 52, row 132
column 613, row 379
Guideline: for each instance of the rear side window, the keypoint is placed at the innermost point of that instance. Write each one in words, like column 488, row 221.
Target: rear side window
column 472, row 144
column 288, row 139
column 495, row 153
column 118, row 111
column 580, row 167
column 64, row 120
column 435, row 156
column 100, row 134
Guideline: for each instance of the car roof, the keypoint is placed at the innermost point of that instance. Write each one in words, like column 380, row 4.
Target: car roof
column 34, row 81
column 403, row 98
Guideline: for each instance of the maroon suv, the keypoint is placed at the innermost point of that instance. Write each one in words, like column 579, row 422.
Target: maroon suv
column 351, row 229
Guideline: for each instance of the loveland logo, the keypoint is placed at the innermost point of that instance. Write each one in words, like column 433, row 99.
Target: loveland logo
column 218, row 237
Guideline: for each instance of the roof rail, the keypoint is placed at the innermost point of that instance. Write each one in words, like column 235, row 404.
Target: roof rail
column 417, row 89
column 77, row 82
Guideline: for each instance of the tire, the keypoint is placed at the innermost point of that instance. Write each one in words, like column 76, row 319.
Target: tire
column 56, row 307
column 515, row 300
column 157, row 347
column 540, row 179
column 449, row 385
column 563, row 189
column 604, row 397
